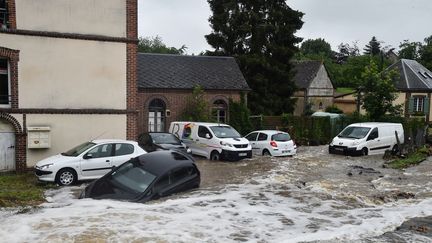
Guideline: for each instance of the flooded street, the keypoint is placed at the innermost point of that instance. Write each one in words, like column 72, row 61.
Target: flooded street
column 311, row 197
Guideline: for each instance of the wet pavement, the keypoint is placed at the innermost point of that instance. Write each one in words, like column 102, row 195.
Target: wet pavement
column 311, row 197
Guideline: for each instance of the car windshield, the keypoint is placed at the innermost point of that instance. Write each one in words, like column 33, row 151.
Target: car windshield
column 225, row 132
column 281, row 137
column 354, row 132
column 165, row 138
column 78, row 149
column 131, row 178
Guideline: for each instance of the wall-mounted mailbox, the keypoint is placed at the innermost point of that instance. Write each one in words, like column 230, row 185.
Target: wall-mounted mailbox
column 38, row 137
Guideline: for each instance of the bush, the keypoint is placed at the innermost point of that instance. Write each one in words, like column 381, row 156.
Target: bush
column 239, row 116
column 333, row 109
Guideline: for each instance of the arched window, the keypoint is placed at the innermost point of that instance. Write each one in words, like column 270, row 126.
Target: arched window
column 320, row 106
column 219, row 111
column 156, row 116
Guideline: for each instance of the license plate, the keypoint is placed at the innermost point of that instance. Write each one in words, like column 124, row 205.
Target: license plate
column 242, row 154
column 286, row 151
column 339, row 149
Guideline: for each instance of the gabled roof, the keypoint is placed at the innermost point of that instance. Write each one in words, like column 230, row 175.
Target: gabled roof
column 305, row 72
column 412, row 76
column 185, row 72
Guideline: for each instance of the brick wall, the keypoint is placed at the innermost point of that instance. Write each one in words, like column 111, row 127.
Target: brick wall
column 175, row 101
column 132, row 89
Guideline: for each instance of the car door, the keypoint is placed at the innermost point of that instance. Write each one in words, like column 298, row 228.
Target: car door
column 97, row 161
column 203, row 141
column 374, row 142
column 252, row 137
column 122, row 153
column 262, row 143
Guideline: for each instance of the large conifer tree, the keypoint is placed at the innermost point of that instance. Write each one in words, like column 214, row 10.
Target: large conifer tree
column 260, row 34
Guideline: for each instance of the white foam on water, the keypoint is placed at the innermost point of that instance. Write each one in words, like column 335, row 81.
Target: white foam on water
column 270, row 209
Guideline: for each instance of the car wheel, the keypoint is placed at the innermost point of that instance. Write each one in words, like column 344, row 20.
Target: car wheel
column 266, row 153
column 364, row 151
column 215, row 155
column 66, row 177
column 395, row 149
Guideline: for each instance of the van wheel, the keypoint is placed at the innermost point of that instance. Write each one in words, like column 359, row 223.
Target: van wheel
column 215, row 155
column 66, row 177
column 266, row 153
column 364, row 151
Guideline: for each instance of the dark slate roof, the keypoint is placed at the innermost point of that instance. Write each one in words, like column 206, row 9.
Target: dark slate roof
column 412, row 76
column 185, row 72
column 305, row 72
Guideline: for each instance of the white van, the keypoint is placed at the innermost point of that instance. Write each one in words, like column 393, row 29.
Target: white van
column 367, row 138
column 214, row 141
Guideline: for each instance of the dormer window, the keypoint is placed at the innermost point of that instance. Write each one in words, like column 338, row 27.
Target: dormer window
column 4, row 82
column 428, row 74
column 4, row 15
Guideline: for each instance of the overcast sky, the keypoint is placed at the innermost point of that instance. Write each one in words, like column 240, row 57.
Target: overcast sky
column 391, row 21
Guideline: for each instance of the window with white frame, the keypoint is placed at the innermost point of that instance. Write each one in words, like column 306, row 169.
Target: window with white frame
column 4, row 82
column 4, row 18
column 219, row 111
column 418, row 103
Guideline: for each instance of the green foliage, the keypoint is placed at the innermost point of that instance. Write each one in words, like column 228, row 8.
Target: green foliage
column 260, row 34
column 409, row 50
column 412, row 159
column 421, row 52
column 378, row 92
column 425, row 52
column 239, row 116
column 308, row 130
column 317, row 47
column 197, row 107
column 156, row 45
column 21, row 190
column 333, row 109
column 373, row 48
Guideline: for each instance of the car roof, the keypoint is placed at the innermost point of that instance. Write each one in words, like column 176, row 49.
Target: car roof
column 160, row 162
column 204, row 123
column 269, row 131
column 99, row 141
column 375, row 124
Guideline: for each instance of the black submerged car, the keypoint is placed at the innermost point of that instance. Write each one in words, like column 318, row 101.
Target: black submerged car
column 155, row 141
column 149, row 176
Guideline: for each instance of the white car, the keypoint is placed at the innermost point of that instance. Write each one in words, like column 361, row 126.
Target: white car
column 272, row 142
column 87, row 161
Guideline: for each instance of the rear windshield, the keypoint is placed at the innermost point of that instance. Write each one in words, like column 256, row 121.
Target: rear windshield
column 78, row 149
column 131, row 178
column 225, row 132
column 281, row 137
column 354, row 132
column 165, row 138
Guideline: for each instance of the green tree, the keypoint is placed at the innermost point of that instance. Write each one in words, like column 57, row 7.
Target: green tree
column 316, row 47
column 409, row 50
column 260, row 34
column 373, row 48
column 197, row 107
column 156, row 45
column 425, row 53
column 378, row 92
column 239, row 116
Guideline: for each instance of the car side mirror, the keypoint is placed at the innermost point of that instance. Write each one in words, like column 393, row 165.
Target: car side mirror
column 113, row 168
column 207, row 136
column 87, row 156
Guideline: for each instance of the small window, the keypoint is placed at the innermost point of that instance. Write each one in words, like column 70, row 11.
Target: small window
column 202, row 131
column 320, row 106
column 162, row 183
column 373, row 134
column 428, row 74
column 123, row 149
column 418, row 103
column 262, row 137
column 4, row 82
column 182, row 173
column 252, row 137
column 4, row 15
column 101, row 151
column 219, row 111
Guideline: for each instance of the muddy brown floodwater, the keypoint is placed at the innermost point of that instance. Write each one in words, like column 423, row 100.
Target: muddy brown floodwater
column 311, row 197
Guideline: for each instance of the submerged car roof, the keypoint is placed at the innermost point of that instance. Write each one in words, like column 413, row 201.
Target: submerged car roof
column 160, row 162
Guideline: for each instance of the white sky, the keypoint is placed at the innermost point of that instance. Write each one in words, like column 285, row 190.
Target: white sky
column 392, row 21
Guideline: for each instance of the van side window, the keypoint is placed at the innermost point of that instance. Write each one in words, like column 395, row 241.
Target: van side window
column 373, row 134
column 202, row 131
column 262, row 137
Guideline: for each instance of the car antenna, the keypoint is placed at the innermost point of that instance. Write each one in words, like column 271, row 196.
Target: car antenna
column 98, row 136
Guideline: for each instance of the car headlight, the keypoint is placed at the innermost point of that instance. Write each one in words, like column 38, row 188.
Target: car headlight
column 45, row 167
column 355, row 143
column 188, row 150
column 225, row 144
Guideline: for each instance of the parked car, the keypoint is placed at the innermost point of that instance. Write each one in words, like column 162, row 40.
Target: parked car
column 367, row 138
column 214, row 141
column 154, row 141
column 87, row 161
column 272, row 142
column 147, row 177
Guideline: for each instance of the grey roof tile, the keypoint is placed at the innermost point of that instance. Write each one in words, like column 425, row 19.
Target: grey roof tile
column 412, row 76
column 185, row 72
column 305, row 72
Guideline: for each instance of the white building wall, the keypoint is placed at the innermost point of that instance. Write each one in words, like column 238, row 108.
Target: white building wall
column 95, row 17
